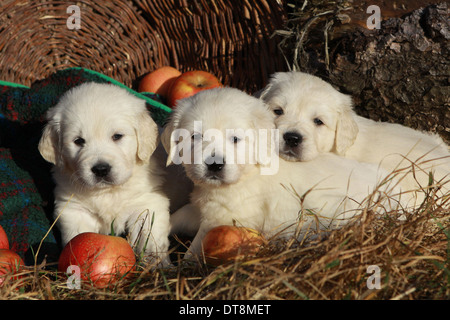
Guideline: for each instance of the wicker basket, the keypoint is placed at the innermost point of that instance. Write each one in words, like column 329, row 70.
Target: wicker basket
column 126, row 39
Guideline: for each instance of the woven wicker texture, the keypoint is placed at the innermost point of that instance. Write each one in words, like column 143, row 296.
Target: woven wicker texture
column 126, row 39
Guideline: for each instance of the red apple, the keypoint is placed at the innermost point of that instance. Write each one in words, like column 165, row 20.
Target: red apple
column 10, row 262
column 4, row 243
column 189, row 83
column 223, row 244
column 102, row 259
column 159, row 80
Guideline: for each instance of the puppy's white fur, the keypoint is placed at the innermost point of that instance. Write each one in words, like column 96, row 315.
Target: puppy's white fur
column 101, row 124
column 333, row 187
column 324, row 119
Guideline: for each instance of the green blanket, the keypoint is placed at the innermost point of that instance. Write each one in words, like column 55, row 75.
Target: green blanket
column 26, row 186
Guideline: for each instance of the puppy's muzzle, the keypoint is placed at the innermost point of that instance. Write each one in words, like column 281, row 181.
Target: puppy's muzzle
column 101, row 170
column 292, row 139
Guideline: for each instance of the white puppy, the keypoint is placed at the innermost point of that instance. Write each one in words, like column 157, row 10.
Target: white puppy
column 207, row 132
column 314, row 118
column 100, row 138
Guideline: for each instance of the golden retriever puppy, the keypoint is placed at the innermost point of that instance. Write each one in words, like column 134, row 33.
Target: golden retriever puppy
column 226, row 141
column 314, row 118
column 100, row 139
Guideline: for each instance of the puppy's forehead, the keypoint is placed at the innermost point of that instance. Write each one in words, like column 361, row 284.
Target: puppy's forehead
column 100, row 99
column 96, row 110
column 304, row 100
column 205, row 119
column 220, row 109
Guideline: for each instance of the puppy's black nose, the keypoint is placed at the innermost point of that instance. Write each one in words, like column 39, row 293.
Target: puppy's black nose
column 292, row 139
column 214, row 165
column 101, row 170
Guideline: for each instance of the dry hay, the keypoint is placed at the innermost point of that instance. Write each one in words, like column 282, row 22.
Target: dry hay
column 410, row 250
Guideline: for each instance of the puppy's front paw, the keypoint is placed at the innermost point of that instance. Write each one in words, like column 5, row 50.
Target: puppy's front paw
column 149, row 237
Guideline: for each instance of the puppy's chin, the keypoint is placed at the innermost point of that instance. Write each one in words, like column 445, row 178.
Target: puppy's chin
column 96, row 183
column 295, row 154
column 93, row 182
column 212, row 181
column 289, row 156
column 209, row 180
column 200, row 176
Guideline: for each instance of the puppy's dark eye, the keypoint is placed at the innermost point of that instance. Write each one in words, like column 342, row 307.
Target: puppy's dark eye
column 318, row 122
column 79, row 141
column 278, row 111
column 235, row 139
column 117, row 137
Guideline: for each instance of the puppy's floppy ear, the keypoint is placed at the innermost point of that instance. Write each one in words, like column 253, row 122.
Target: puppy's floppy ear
column 346, row 128
column 147, row 136
column 49, row 144
column 266, row 93
column 263, row 121
column 166, row 136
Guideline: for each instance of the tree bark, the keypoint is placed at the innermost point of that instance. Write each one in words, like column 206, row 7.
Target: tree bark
column 399, row 73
